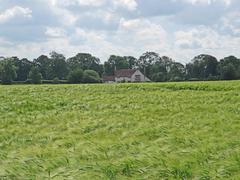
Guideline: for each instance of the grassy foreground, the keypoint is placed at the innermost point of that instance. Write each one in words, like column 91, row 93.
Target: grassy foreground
column 124, row 131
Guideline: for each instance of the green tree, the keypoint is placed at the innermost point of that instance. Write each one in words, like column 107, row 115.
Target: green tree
column 158, row 68
column 159, row 77
column 202, row 67
column 35, row 76
column 132, row 62
column 150, row 63
column 23, row 66
column 58, row 66
column 228, row 72
column 91, row 76
column 118, row 62
column 7, row 71
column 229, row 68
column 177, row 72
column 76, row 76
column 85, row 61
column 44, row 65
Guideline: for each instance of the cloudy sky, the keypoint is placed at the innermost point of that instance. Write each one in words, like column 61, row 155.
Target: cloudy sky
column 180, row 29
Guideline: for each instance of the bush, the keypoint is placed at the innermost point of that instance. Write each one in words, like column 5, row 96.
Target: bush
column 176, row 79
column 56, row 80
column 19, row 82
column 35, row 76
column 28, row 81
column 159, row 77
column 75, row 76
column 194, row 79
column 91, row 76
column 213, row 78
column 47, row 81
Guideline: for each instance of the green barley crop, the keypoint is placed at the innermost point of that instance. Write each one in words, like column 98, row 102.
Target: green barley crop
column 120, row 131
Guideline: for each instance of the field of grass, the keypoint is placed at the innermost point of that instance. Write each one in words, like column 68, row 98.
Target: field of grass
column 120, row 131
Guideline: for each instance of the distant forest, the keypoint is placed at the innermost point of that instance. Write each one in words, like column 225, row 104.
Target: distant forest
column 86, row 68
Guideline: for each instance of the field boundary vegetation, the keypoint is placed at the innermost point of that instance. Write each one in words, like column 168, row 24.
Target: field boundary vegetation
column 86, row 68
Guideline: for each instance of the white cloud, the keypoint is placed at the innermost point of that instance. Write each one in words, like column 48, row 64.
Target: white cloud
column 227, row 2
column 178, row 28
column 66, row 17
column 3, row 41
column 55, row 32
column 143, row 31
column 232, row 22
column 129, row 4
column 15, row 12
column 77, row 2
column 201, row 37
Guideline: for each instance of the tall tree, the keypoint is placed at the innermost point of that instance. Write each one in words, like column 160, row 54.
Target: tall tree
column 35, row 76
column 150, row 63
column 132, row 62
column 58, row 66
column 7, row 71
column 23, row 66
column 202, row 67
column 229, row 68
column 115, row 63
column 176, row 72
column 44, row 65
column 85, row 61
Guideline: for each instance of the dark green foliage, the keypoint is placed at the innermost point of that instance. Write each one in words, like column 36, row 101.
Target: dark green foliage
column 176, row 72
column 35, row 76
column 90, row 76
column 202, row 67
column 58, row 66
column 55, row 66
column 7, row 71
column 56, row 69
column 118, row 62
column 159, row 77
column 56, row 80
column 149, row 63
column 160, row 69
column 44, row 65
column 85, row 61
column 23, row 67
column 229, row 68
column 75, row 76
column 229, row 72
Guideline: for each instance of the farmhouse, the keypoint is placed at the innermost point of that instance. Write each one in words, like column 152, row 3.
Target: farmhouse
column 126, row 75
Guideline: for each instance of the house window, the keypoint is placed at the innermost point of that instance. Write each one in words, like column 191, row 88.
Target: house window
column 137, row 78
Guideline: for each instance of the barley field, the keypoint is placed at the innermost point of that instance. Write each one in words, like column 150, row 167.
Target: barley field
column 187, row 130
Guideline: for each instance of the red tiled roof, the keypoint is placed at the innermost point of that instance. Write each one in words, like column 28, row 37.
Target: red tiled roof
column 125, row 73
column 108, row 78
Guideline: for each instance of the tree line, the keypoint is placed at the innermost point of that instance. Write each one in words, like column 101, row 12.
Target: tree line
column 86, row 68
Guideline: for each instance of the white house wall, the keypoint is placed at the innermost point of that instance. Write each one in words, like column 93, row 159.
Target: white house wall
column 132, row 79
column 142, row 77
column 122, row 79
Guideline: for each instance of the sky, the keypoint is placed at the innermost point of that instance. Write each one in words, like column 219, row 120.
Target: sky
column 180, row 29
